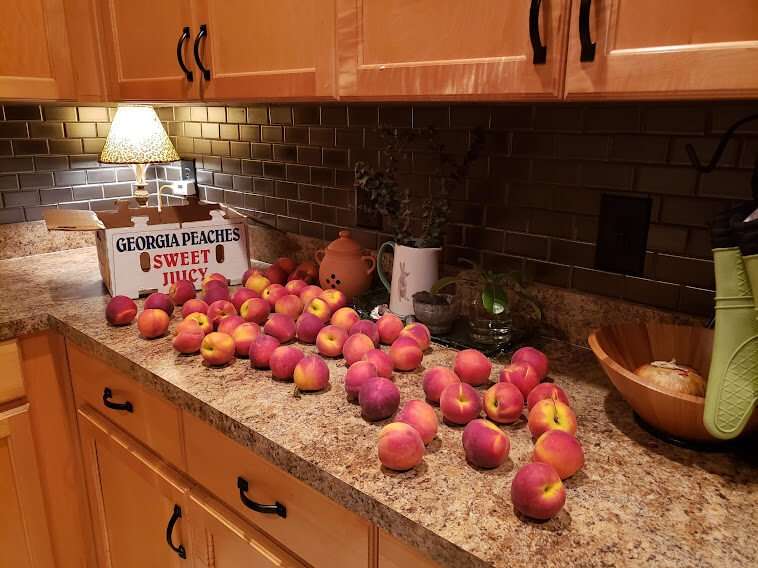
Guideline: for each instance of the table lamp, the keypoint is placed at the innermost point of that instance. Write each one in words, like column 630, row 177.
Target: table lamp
column 137, row 137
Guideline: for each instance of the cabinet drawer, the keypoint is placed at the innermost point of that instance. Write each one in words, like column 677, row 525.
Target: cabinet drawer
column 153, row 421
column 11, row 379
column 396, row 554
column 315, row 528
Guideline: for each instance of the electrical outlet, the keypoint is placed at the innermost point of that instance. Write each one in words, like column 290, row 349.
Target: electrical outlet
column 188, row 170
column 622, row 234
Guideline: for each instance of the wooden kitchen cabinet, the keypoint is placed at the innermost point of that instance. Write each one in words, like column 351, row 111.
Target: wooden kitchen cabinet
column 35, row 62
column 396, row 554
column 137, row 503
column 441, row 49
column 672, row 49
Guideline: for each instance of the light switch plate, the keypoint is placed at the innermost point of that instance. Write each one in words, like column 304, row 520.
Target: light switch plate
column 622, row 234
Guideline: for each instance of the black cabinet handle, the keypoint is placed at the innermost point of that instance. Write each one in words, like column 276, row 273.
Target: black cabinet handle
column 125, row 406
column 588, row 46
column 177, row 514
column 275, row 509
column 179, row 57
column 540, row 50
column 200, row 35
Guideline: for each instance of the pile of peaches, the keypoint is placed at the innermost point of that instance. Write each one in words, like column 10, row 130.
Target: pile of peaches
column 261, row 320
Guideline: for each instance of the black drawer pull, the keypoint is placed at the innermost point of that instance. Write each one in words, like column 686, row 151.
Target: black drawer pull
column 275, row 509
column 184, row 37
column 588, row 46
column 125, row 406
column 540, row 51
column 180, row 551
column 200, row 35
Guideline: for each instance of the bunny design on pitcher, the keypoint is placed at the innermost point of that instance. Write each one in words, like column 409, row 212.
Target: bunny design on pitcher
column 413, row 270
column 402, row 282
column 344, row 266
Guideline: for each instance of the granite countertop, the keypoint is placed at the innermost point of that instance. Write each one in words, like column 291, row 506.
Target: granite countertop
column 638, row 501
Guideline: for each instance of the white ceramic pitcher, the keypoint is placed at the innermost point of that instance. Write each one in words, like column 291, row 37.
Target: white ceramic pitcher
column 413, row 270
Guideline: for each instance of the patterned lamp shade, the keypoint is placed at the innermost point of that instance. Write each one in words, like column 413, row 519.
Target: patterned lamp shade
column 137, row 137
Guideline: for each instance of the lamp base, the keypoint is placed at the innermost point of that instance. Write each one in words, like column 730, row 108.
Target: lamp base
column 141, row 195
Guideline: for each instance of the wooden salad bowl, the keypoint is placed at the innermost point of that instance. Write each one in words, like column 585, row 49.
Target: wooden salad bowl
column 620, row 349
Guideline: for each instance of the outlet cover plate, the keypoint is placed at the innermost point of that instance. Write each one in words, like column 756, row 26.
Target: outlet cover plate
column 622, row 234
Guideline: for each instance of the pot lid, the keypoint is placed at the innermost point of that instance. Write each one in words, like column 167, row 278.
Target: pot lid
column 345, row 245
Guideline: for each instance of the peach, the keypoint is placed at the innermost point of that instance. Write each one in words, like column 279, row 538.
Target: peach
column 311, row 374
column 405, row 354
column 355, row 347
column 484, row 444
column 435, row 380
column 243, row 336
column 503, row 403
column 419, row 332
column 153, row 323
column 289, row 305
column 188, row 324
column 160, row 301
column 546, row 390
column 535, row 358
column 181, row 291
column 522, row 375
column 460, row 403
column 355, row 377
column 202, row 320
column 283, row 361
column 280, row 326
column 306, row 270
column 537, row 491
column 120, row 310
column 273, row 293
column 318, row 308
column 400, row 447
column 220, row 309
column 194, row 305
column 276, row 274
column 230, row 323
column 472, row 367
column 330, row 340
column 421, row 416
column 381, row 361
column 334, row 298
column 250, row 272
column 241, row 296
column 295, row 286
column 217, row 348
column 307, row 327
column 345, row 318
column 215, row 293
column 257, row 283
column 561, row 450
column 261, row 349
column 389, row 327
column 309, row 293
column 379, row 399
column 189, row 340
column 286, row 264
column 255, row 310
column 366, row 327
column 549, row 414
column 214, row 277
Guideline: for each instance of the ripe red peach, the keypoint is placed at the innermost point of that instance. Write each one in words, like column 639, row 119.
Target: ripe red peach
column 420, row 333
column 248, row 273
column 356, row 376
column 214, row 277
column 311, row 374
column 286, row 264
column 307, row 328
column 485, row 444
column 561, row 450
column 276, row 274
column 435, row 380
column 537, row 491
column 389, row 327
column 381, row 361
column 400, row 447
column 309, row 293
column 255, row 310
column 181, row 291
column 379, row 399
column 159, row 301
column 228, row 324
column 550, row 414
column 535, row 358
column 405, row 354
column 283, row 361
column 214, row 293
column 189, row 340
column 472, row 367
column 355, row 347
column 295, row 286
column 261, row 349
column 421, row 416
column 306, row 270
column 153, row 323
column 366, row 327
column 257, row 283
column 522, row 375
column 503, row 403
column 345, row 318
column 273, row 293
column 217, row 348
column 289, row 305
column 460, row 403
column 202, row 320
column 546, row 390
column 243, row 336
column 220, row 309
column 280, row 326
column 334, row 298
column 318, row 308
column 330, row 340
column 241, row 296
column 188, row 324
column 120, row 310
column 194, row 305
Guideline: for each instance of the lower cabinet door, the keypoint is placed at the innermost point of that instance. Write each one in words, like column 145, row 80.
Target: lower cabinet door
column 138, row 504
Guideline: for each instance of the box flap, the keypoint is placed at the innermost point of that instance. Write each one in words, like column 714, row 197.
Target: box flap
column 71, row 220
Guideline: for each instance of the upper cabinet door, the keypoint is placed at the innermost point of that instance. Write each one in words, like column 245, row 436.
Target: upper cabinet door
column 438, row 49
column 267, row 49
column 35, row 61
column 655, row 49
column 141, row 38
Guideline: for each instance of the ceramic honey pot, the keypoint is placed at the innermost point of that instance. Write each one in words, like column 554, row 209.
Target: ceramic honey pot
column 344, row 266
